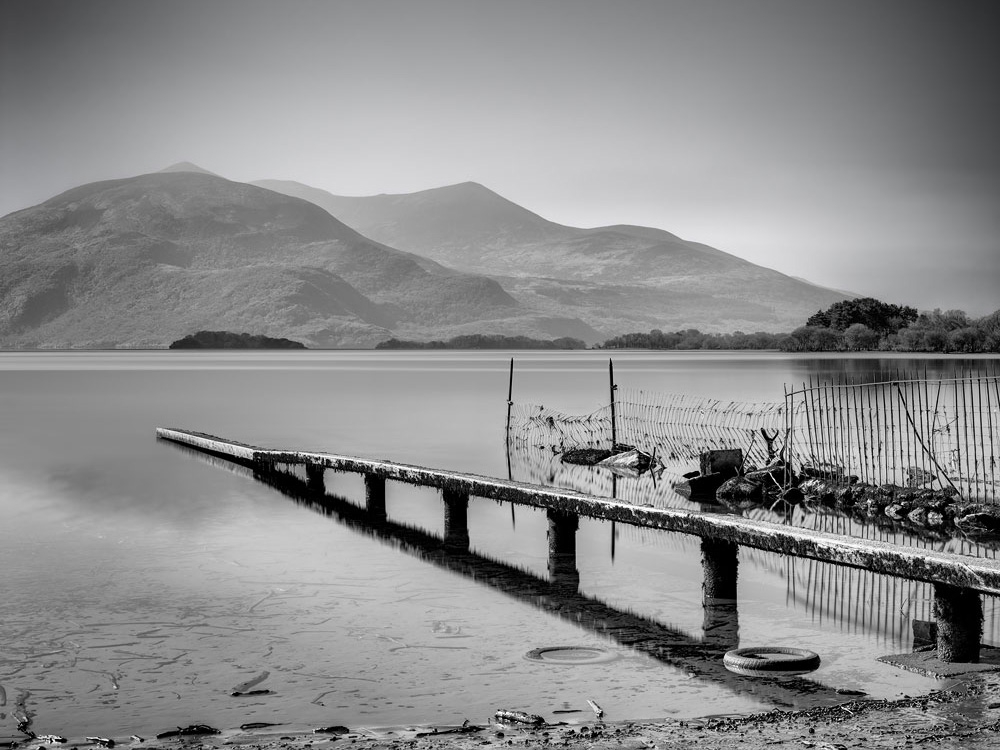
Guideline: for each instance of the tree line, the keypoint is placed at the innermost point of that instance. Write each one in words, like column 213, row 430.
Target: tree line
column 864, row 324
column 486, row 341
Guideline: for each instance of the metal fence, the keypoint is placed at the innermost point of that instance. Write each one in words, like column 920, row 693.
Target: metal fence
column 937, row 434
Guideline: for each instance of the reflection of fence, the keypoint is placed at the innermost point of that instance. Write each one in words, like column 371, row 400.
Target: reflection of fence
column 913, row 433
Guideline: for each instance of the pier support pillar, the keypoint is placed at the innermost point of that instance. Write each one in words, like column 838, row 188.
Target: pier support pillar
column 375, row 496
column 720, row 565
column 456, row 520
column 315, row 478
column 959, row 615
column 562, row 549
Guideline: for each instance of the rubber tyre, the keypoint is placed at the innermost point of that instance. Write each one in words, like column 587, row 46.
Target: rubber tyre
column 771, row 659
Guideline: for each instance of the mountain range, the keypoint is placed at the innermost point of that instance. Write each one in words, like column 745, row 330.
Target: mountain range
column 616, row 278
column 143, row 261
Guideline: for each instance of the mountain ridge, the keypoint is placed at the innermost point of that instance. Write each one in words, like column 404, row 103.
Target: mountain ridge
column 144, row 260
column 616, row 278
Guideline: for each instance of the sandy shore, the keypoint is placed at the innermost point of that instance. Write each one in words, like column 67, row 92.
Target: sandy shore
column 965, row 717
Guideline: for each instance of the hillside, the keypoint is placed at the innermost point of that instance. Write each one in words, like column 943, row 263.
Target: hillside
column 146, row 260
column 616, row 278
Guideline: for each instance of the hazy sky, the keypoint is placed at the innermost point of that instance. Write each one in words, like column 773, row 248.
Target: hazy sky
column 851, row 142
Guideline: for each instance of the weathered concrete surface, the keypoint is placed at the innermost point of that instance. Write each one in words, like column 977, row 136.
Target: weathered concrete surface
column 927, row 663
column 977, row 574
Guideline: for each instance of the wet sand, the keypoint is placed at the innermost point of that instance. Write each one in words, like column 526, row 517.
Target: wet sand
column 965, row 717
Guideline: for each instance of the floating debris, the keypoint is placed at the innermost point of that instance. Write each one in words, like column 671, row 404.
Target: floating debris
column 186, row 731
column 464, row 728
column 598, row 711
column 336, row 729
column 243, row 689
column 50, row 738
column 518, row 717
column 102, row 741
column 258, row 725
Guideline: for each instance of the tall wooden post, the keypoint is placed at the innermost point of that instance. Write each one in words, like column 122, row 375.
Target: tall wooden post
column 613, row 388
column 456, row 520
column 510, row 404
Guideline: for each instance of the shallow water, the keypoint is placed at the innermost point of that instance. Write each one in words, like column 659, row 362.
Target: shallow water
column 143, row 584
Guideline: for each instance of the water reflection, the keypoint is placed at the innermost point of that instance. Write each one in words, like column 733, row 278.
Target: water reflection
column 559, row 595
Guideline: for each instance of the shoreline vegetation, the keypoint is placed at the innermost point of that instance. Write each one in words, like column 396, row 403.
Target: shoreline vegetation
column 486, row 341
column 856, row 325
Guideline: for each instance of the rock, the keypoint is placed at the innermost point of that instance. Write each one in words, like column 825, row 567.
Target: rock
column 792, row 496
column 584, row 456
column 822, row 470
column 740, row 490
column 935, row 518
column 705, row 486
column 820, row 490
column 897, row 511
column 726, row 462
column 980, row 519
column 632, row 461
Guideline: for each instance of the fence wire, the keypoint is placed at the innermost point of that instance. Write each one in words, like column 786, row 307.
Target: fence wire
column 936, row 434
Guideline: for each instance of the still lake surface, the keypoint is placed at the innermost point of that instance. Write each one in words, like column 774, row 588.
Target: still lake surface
column 142, row 584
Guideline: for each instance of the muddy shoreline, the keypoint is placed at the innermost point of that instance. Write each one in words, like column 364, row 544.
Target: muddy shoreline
column 967, row 716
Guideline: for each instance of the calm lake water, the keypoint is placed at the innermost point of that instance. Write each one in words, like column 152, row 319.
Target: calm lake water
column 143, row 584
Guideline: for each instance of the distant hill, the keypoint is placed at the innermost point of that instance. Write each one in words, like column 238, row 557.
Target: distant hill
column 143, row 261
column 230, row 340
column 616, row 278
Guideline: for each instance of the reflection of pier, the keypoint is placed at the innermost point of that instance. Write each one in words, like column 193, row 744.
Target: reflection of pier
column 559, row 595
column 958, row 582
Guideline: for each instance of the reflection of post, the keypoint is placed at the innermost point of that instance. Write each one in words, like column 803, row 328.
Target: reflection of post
column 959, row 614
column 562, row 549
column 375, row 496
column 720, row 565
column 456, row 520
column 314, row 478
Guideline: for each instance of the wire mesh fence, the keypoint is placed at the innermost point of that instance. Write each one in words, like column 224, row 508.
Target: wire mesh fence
column 916, row 433
column 935, row 434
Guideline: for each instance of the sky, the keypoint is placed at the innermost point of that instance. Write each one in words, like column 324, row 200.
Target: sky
column 853, row 143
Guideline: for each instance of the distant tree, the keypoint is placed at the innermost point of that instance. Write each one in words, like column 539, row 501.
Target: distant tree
column 966, row 340
column 859, row 337
column 880, row 317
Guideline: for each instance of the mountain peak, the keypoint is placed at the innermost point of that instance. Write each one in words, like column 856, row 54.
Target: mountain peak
column 186, row 166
